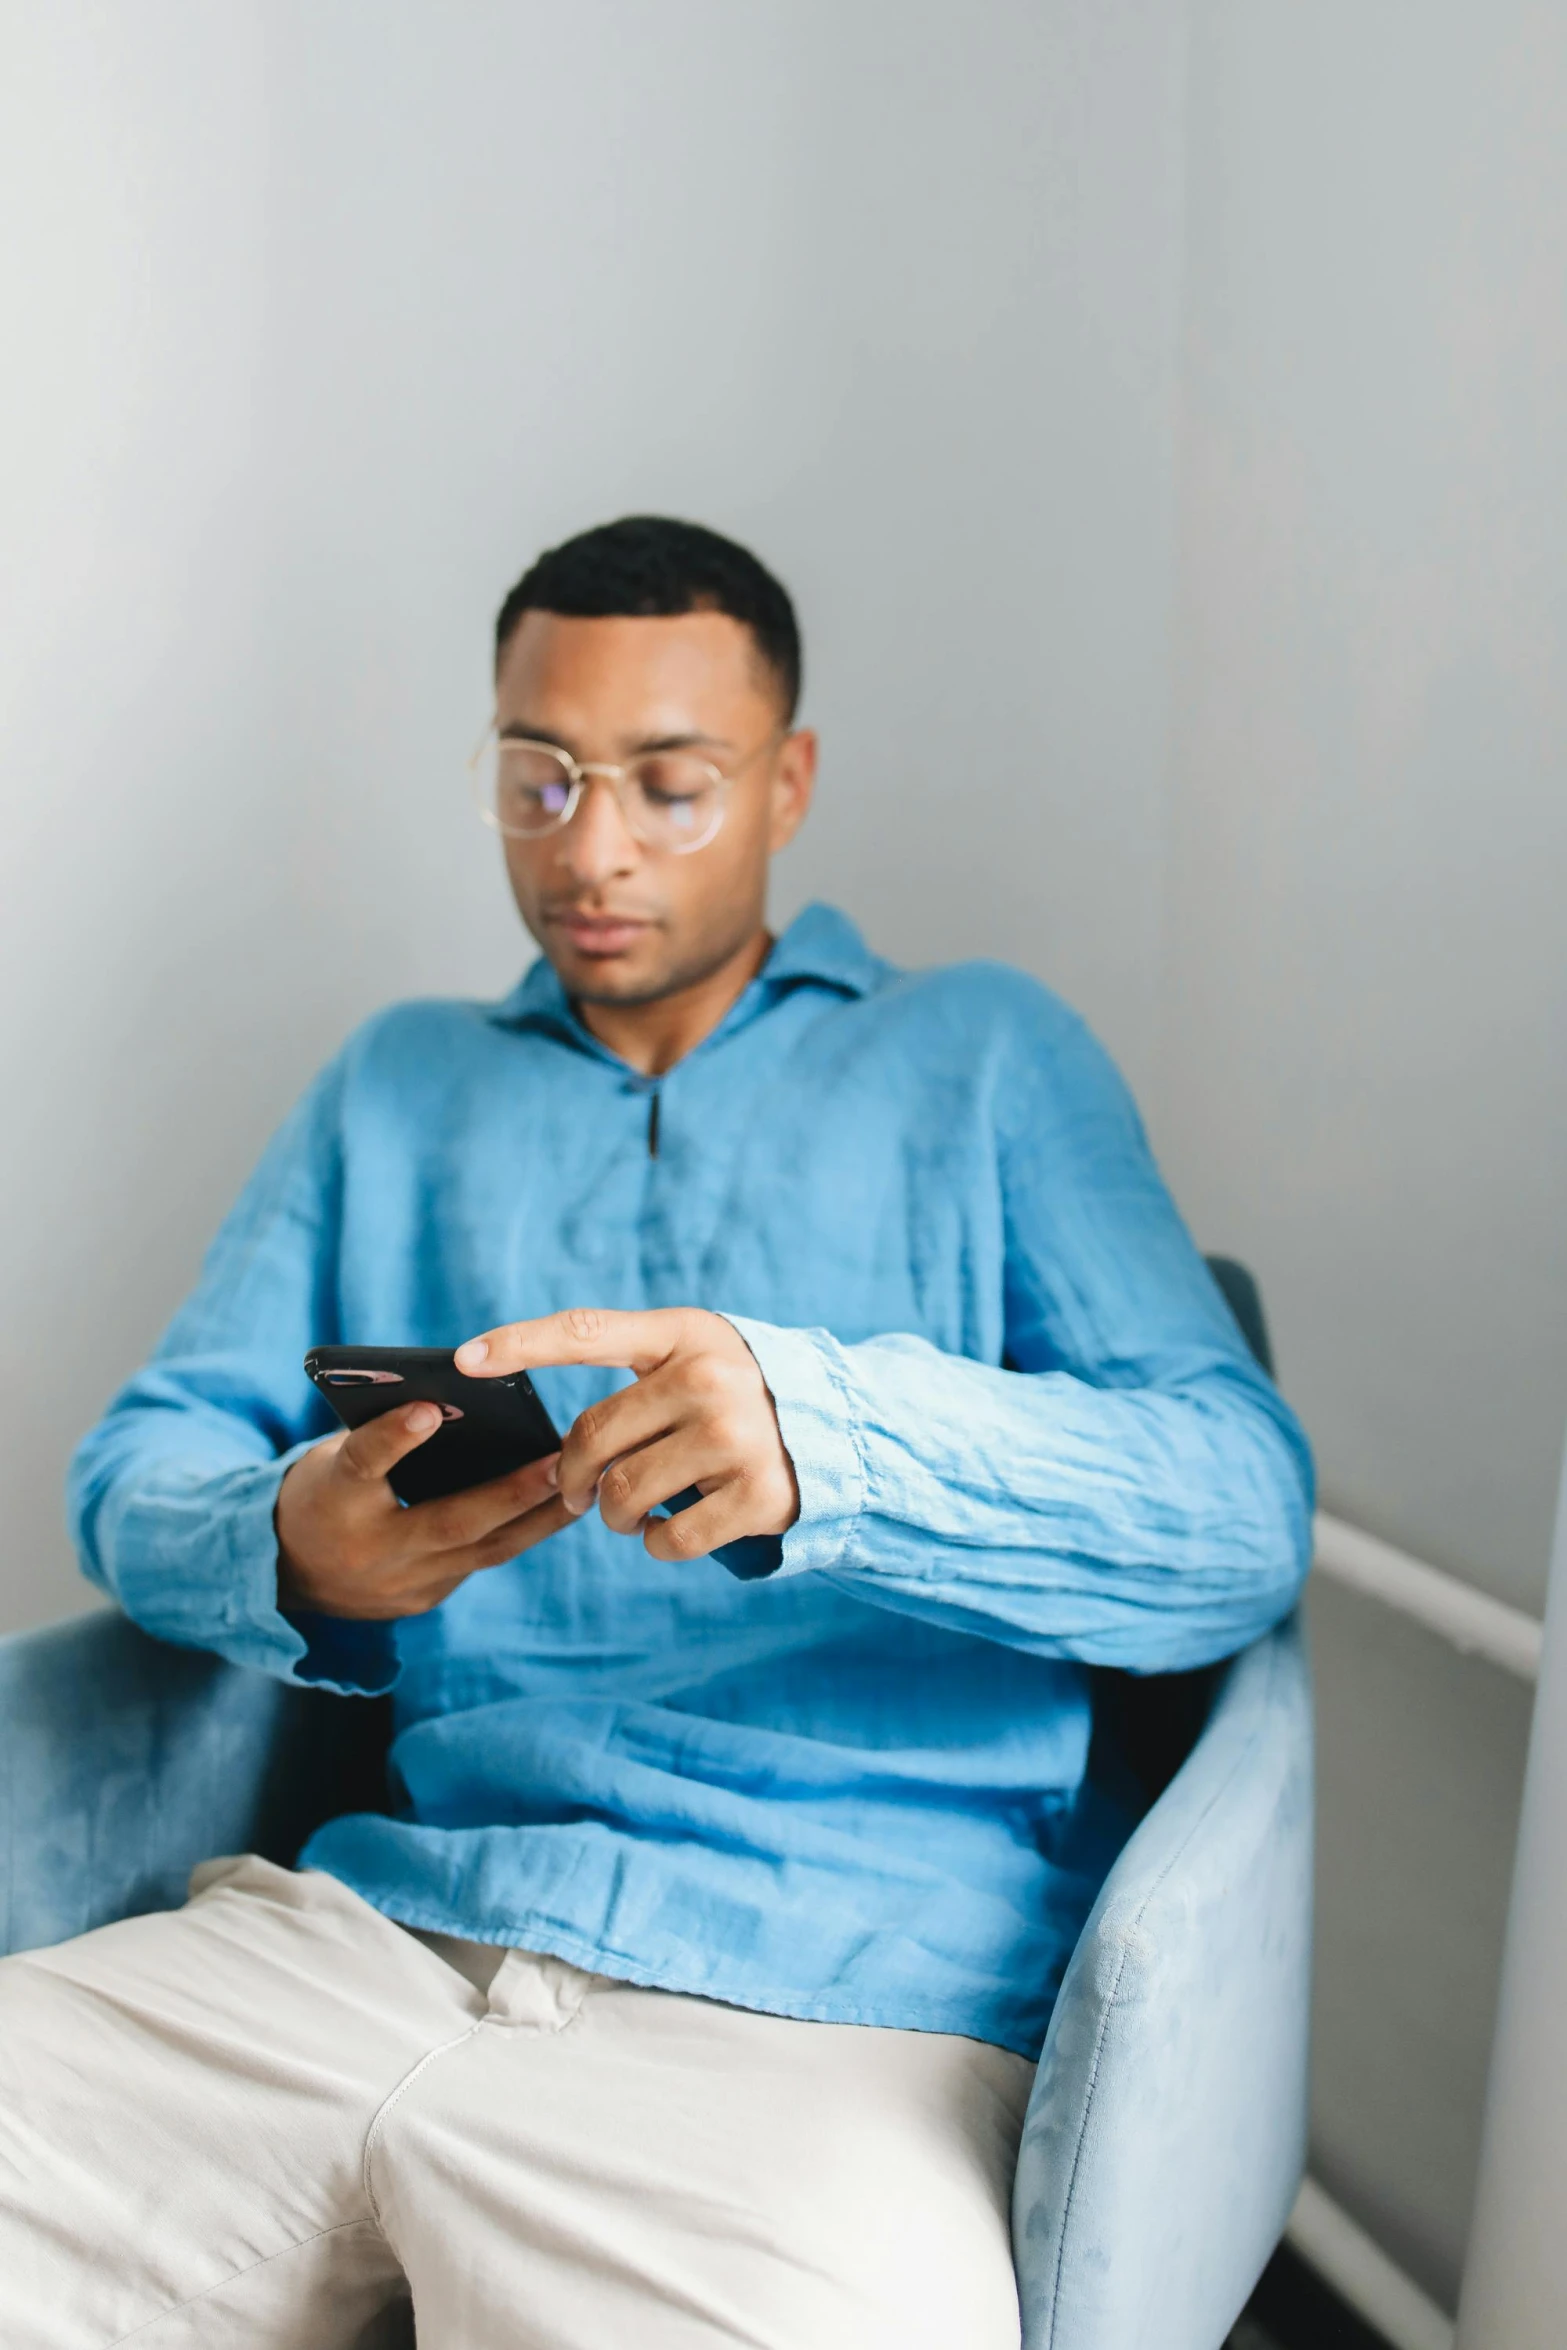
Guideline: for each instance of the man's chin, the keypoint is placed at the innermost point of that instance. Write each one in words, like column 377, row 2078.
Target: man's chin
column 595, row 985
column 639, row 976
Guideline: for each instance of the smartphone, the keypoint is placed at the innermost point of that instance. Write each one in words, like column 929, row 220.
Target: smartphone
column 489, row 1426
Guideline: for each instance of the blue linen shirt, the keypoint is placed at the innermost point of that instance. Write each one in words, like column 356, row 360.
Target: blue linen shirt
column 1028, row 1437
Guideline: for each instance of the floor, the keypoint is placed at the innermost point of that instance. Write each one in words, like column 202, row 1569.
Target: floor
column 1293, row 2310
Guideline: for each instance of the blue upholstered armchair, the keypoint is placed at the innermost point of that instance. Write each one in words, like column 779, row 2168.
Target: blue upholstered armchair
column 1166, row 2133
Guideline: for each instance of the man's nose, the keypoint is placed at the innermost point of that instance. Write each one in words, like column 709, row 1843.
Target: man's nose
column 598, row 844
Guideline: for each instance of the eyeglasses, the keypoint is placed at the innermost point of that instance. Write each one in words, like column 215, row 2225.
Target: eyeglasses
column 673, row 802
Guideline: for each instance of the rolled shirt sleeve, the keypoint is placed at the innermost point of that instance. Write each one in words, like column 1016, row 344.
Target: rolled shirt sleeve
column 171, row 1497
column 1128, row 1488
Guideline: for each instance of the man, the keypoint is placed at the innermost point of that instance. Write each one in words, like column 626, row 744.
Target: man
column 688, row 1993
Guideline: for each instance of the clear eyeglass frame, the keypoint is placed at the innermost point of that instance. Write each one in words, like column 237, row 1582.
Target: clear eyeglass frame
column 622, row 780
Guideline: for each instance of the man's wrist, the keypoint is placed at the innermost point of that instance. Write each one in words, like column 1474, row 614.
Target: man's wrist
column 807, row 1379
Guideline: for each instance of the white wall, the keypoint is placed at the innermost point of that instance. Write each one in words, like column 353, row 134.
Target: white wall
column 1363, row 1080
column 323, row 320
column 1365, row 1058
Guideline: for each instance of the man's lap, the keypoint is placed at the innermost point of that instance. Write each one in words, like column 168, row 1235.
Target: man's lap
column 261, row 2119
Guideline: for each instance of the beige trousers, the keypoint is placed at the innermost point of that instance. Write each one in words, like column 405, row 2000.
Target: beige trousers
column 273, row 2118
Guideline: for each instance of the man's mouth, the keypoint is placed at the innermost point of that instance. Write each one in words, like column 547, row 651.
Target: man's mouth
column 599, row 934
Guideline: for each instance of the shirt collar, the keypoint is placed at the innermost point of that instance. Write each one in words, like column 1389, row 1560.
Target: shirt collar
column 824, row 945
column 820, row 945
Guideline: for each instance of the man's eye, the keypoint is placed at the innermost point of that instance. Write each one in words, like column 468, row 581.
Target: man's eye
column 547, row 798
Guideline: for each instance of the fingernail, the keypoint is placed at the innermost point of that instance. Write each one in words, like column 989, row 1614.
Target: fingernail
column 469, row 1356
column 552, row 1471
column 423, row 1418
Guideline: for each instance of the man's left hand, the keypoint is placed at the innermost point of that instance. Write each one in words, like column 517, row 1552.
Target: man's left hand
column 699, row 1415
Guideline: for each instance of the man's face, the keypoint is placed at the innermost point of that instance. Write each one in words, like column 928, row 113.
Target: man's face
column 623, row 924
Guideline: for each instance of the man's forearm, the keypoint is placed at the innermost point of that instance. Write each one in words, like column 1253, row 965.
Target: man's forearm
column 1155, row 1528
column 173, row 1515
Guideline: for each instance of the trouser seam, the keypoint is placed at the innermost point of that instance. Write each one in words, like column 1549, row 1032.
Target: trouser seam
column 282, row 2253
column 378, row 2119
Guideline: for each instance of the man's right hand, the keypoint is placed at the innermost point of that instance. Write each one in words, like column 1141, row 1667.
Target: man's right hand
column 348, row 1547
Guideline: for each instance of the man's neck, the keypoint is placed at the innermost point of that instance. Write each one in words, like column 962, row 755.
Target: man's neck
column 652, row 1037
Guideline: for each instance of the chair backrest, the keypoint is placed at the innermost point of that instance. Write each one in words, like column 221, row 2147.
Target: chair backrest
column 124, row 1762
column 1166, row 2134
column 1244, row 1299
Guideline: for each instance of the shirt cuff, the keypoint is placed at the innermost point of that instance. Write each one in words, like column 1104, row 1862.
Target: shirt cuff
column 808, row 1381
column 353, row 1658
column 199, row 1566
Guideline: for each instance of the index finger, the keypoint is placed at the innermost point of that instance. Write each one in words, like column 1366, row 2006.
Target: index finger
column 583, row 1334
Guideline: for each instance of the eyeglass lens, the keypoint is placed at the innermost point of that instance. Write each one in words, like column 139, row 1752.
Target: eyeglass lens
column 671, row 800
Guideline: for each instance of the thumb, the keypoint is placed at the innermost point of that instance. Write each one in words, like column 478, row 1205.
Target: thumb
column 381, row 1443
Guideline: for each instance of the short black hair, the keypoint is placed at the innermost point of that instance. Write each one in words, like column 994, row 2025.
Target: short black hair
column 647, row 564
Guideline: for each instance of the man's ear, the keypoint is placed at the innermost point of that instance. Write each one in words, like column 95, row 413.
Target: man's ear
column 794, row 781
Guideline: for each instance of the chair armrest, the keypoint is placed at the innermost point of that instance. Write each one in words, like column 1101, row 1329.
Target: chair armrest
column 124, row 1762
column 1166, row 2134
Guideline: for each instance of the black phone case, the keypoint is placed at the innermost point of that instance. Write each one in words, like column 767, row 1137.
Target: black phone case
column 492, row 1427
